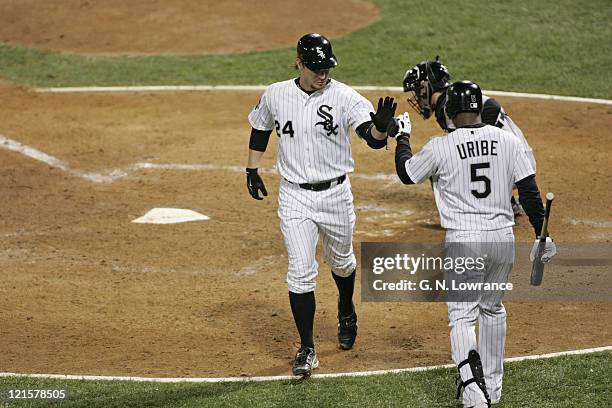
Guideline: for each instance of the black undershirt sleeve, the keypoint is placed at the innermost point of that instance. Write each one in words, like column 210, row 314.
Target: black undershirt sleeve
column 364, row 131
column 259, row 139
column 403, row 153
column 490, row 112
column 529, row 197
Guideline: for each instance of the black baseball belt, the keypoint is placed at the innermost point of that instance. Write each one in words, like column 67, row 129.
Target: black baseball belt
column 324, row 185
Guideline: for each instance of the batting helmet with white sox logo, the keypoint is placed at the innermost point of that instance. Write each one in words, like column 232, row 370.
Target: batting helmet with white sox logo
column 316, row 53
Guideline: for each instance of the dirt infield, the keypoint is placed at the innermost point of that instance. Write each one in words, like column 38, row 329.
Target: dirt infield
column 176, row 27
column 84, row 291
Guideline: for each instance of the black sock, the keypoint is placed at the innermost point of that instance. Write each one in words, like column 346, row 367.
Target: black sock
column 303, row 307
column 345, row 293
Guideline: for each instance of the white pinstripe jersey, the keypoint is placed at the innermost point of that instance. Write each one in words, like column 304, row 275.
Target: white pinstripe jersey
column 505, row 122
column 472, row 170
column 314, row 142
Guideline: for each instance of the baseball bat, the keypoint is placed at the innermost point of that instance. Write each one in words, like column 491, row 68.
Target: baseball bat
column 537, row 267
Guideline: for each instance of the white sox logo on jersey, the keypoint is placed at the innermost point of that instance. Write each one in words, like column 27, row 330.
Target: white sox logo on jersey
column 328, row 120
column 296, row 113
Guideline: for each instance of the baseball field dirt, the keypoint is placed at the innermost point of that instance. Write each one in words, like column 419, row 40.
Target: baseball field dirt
column 158, row 27
column 85, row 291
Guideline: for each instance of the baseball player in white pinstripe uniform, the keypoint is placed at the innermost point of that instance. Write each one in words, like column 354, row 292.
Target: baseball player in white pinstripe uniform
column 312, row 115
column 473, row 170
column 428, row 80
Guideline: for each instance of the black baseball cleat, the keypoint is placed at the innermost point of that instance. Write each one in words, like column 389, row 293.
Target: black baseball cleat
column 305, row 361
column 347, row 330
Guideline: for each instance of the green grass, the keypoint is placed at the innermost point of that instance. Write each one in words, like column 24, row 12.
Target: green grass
column 548, row 46
column 570, row 381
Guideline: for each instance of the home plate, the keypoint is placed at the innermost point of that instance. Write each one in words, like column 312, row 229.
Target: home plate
column 170, row 216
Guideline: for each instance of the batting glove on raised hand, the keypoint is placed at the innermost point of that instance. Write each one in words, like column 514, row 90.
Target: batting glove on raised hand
column 255, row 184
column 400, row 125
column 549, row 250
column 384, row 114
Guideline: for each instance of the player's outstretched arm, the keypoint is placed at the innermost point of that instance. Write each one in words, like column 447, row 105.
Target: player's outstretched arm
column 403, row 153
column 257, row 146
column 413, row 169
column 366, row 132
column 374, row 132
column 400, row 128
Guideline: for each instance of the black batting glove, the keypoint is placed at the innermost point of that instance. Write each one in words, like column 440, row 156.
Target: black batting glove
column 255, row 184
column 384, row 113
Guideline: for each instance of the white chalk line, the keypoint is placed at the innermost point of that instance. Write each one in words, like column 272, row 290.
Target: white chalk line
column 113, row 175
column 259, row 265
column 259, row 88
column 288, row 377
column 590, row 223
column 15, row 146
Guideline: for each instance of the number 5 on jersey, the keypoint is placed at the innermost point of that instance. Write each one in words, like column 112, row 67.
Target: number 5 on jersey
column 475, row 177
column 287, row 129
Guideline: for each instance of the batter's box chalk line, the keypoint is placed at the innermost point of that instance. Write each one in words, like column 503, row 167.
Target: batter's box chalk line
column 287, row 377
column 113, row 175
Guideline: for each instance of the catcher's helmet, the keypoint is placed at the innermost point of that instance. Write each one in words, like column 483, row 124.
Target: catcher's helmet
column 463, row 96
column 424, row 79
column 315, row 51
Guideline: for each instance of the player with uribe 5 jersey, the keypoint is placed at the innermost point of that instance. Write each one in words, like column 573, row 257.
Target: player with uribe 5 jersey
column 472, row 170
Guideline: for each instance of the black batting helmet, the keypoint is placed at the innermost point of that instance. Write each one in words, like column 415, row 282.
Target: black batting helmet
column 463, row 96
column 424, row 79
column 315, row 52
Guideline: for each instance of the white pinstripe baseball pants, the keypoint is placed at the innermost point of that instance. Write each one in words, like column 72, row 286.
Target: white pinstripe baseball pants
column 307, row 215
column 488, row 311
